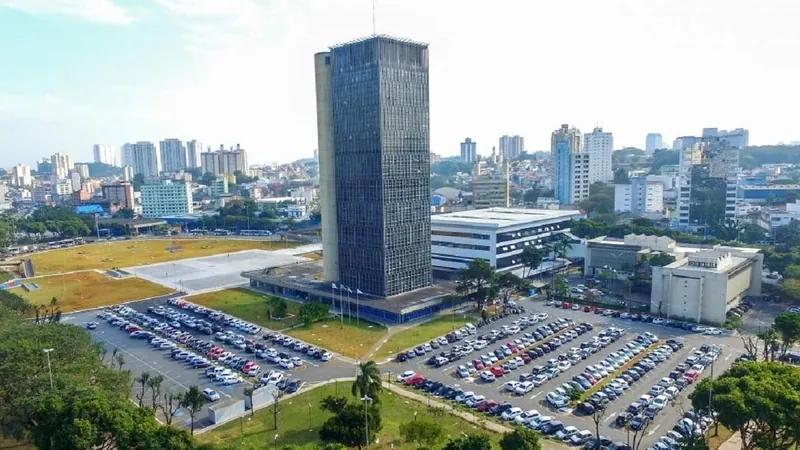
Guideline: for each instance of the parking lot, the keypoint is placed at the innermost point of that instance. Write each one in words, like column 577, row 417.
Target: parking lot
column 730, row 347
column 140, row 356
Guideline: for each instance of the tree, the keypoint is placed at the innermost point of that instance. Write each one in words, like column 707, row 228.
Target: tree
column 597, row 418
column 124, row 213
column 507, row 283
column 368, row 381
column 661, row 260
column 5, row 235
column 621, row 176
column 520, row 439
column 207, row 179
column 349, row 427
column 142, row 379
column 333, row 403
column 278, row 307
column 769, row 337
column 172, row 403
column 312, row 311
column 561, row 287
column 479, row 280
column 470, row 442
column 193, row 402
column 138, row 181
column 790, row 289
column 425, row 434
column 248, row 393
column 788, row 327
column 531, row 260
column 154, row 383
column 760, row 400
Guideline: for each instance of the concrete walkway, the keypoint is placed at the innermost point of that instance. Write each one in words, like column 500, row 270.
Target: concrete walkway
column 733, row 443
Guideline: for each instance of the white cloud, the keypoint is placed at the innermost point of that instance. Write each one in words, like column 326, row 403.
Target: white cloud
column 102, row 11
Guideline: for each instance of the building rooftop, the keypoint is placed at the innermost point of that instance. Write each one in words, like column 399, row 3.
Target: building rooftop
column 502, row 217
column 767, row 187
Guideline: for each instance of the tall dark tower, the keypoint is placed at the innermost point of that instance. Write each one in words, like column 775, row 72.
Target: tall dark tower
column 379, row 140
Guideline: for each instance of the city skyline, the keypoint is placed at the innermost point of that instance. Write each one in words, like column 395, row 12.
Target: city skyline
column 196, row 91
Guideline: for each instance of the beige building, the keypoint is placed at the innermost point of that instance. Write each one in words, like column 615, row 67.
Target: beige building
column 120, row 194
column 704, row 285
column 490, row 189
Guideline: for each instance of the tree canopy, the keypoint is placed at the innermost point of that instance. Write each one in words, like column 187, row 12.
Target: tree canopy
column 479, row 281
column 520, row 439
column 470, row 442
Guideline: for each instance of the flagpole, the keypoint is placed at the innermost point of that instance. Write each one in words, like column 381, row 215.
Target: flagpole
column 341, row 307
column 349, row 310
column 358, row 322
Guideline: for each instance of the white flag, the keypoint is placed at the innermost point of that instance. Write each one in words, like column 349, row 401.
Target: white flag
column 333, row 286
column 349, row 291
column 358, row 291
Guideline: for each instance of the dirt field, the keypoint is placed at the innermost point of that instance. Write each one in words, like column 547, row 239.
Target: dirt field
column 106, row 255
column 89, row 289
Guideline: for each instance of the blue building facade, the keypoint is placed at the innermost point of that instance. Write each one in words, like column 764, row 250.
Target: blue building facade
column 562, row 172
column 778, row 192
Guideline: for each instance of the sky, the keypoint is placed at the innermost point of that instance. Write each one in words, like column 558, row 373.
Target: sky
column 79, row 72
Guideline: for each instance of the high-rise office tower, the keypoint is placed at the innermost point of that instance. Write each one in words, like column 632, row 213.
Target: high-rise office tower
column 374, row 144
column 599, row 144
column 62, row 164
column 44, row 167
column 707, row 183
column 570, row 165
column 469, row 151
column 21, row 176
column 173, row 155
column 145, row 159
column 738, row 138
column 653, row 142
column 126, row 155
column 104, row 154
column 193, row 150
column 511, row 146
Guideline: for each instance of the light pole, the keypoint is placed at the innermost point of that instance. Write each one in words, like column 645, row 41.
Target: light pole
column 49, row 367
column 415, row 416
column 366, row 400
column 275, row 441
column 309, row 418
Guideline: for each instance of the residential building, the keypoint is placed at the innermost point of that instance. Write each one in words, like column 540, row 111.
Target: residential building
column 373, row 121
column 469, row 151
column 43, row 194
column 62, row 190
column 653, row 142
column 21, row 175
column 599, row 144
column 4, row 203
column 145, row 159
column 166, row 198
column 684, row 142
column 224, row 162
column 83, row 170
column 570, row 166
column 738, row 138
column 193, row 150
column 126, row 155
column 61, row 164
column 497, row 235
column 75, row 180
column 173, row 155
column 127, row 173
column 511, row 146
column 104, row 154
column 641, row 196
column 435, row 158
column 119, row 194
column 705, row 284
column 708, row 183
column 218, row 187
column 490, row 188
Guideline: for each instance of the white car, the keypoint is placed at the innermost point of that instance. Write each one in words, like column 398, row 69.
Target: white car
column 326, row 356
column 286, row 364
column 566, row 433
column 523, row 388
column 539, row 380
column 231, row 379
column 405, row 375
column 297, row 362
column 511, row 386
column 511, row 414
column 563, row 366
column 671, row 392
column 276, row 378
column 210, row 394
column 660, row 402
column 526, row 417
column 557, row 400
column 538, row 421
column 713, row 332
column 487, row 376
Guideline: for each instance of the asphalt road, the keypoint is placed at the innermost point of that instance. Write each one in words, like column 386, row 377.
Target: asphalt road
column 731, row 347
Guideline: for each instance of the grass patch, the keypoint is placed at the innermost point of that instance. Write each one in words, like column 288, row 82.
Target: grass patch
column 602, row 383
column 347, row 339
column 717, row 440
column 420, row 334
column 247, row 305
column 106, row 255
column 89, row 289
column 5, row 276
column 293, row 422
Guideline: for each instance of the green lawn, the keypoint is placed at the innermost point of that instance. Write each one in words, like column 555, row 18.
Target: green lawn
column 5, row 276
column 343, row 337
column 293, row 422
column 419, row 334
column 247, row 305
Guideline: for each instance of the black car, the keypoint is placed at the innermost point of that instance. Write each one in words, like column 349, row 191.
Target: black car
column 500, row 409
column 551, row 427
column 454, row 393
column 435, row 386
column 440, row 392
column 546, row 348
column 425, row 385
column 623, row 418
column 639, row 422
column 586, row 408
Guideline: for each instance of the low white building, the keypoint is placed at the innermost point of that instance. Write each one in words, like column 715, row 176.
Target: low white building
column 166, row 198
column 702, row 286
column 640, row 196
column 497, row 235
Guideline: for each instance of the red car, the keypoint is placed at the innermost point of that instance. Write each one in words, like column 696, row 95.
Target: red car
column 497, row 371
column 566, row 305
column 526, row 358
column 486, row 405
column 587, row 309
column 598, row 310
column 691, row 376
column 479, row 365
column 415, row 380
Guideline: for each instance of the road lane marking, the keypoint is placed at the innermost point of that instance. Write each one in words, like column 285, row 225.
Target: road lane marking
column 610, row 417
column 653, row 431
column 535, row 395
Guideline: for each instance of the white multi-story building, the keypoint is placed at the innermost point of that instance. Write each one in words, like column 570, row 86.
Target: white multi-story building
column 4, row 204
column 62, row 164
column 127, row 173
column 497, row 235
column 21, row 175
column 511, row 146
column 173, row 155
column 193, row 150
column 166, row 198
column 653, row 142
column 75, row 180
column 469, row 151
column 600, row 145
column 580, row 177
column 104, row 154
column 145, row 159
column 640, row 196
column 126, row 155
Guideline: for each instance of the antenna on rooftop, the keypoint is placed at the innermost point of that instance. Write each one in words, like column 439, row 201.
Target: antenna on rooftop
column 373, row 17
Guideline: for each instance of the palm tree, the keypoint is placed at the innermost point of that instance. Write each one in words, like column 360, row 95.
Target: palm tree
column 142, row 379
column 248, row 393
column 154, row 383
column 193, row 402
column 368, row 381
column 531, row 260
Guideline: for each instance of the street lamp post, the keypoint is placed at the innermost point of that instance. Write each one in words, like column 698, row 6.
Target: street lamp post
column 309, row 418
column 275, row 441
column 366, row 400
column 49, row 367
